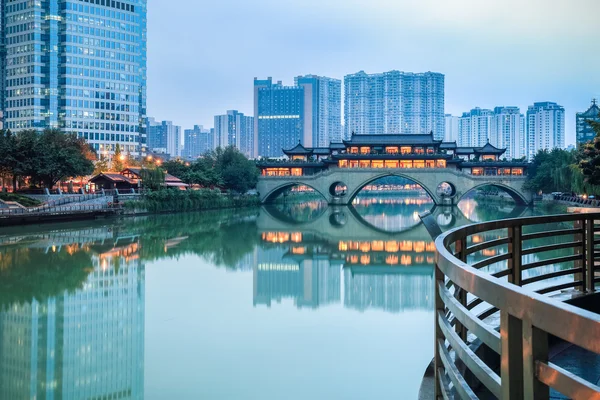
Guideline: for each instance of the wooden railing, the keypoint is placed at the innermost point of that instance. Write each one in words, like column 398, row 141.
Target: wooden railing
column 497, row 284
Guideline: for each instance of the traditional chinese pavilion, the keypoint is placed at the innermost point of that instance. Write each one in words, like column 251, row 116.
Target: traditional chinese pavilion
column 393, row 152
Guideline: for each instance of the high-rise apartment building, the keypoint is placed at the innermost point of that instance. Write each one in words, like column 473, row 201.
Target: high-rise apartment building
column 451, row 128
column 394, row 103
column 323, row 108
column 584, row 130
column 307, row 112
column 235, row 129
column 79, row 66
column 545, row 127
column 508, row 132
column 164, row 137
column 474, row 127
column 197, row 142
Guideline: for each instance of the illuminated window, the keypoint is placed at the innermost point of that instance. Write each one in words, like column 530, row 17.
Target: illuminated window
column 391, row 164
column 391, row 150
column 365, row 247
column 365, row 150
column 405, row 260
column 365, row 259
column 419, row 150
column 391, row 260
column 296, row 171
column 488, row 158
column 343, row 164
column 441, row 163
column 406, row 150
column 419, row 164
column 377, row 245
column 391, row 246
column 301, row 158
column 377, row 164
column 477, row 171
column 517, row 171
column 504, row 171
column 365, row 163
column 430, row 150
column 354, row 150
column 430, row 164
column 406, row 164
column 354, row 164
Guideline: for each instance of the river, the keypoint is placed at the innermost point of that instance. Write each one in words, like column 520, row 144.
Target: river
column 291, row 301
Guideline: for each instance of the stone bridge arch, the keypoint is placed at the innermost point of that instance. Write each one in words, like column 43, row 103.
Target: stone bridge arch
column 272, row 193
column 518, row 196
column 432, row 192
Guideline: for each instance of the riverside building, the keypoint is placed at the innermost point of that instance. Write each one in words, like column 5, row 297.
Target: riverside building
column 79, row 66
column 585, row 133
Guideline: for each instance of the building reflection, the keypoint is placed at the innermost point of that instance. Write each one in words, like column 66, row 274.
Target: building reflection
column 83, row 343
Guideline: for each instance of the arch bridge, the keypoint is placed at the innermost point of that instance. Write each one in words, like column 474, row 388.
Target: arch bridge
column 328, row 182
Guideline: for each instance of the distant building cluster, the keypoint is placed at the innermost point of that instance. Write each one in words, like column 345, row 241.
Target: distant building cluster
column 99, row 92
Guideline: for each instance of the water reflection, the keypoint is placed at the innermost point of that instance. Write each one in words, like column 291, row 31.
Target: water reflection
column 77, row 328
column 72, row 297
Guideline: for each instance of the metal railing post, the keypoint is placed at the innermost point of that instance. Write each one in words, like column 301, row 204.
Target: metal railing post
column 588, row 276
column 580, row 250
column 515, row 248
column 535, row 348
column 511, row 359
column 460, row 294
column 439, row 306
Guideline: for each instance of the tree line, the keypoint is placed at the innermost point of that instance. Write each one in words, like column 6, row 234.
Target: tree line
column 225, row 168
column 567, row 171
column 44, row 157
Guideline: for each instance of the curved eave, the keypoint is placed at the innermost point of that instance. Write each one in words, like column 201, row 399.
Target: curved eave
column 499, row 164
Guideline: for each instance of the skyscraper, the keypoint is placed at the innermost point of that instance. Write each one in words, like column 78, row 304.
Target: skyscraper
column 80, row 67
column 197, row 142
column 307, row 112
column 164, row 137
column 545, row 127
column 474, row 127
column 394, row 102
column 451, row 128
column 235, row 129
column 585, row 133
column 508, row 132
column 324, row 117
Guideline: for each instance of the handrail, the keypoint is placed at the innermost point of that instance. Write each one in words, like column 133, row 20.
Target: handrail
column 528, row 314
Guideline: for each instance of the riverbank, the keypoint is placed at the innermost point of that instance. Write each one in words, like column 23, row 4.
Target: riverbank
column 160, row 202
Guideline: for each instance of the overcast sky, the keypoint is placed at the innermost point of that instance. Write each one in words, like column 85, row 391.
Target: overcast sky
column 204, row 54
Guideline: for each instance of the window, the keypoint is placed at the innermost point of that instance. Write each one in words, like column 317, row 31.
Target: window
column 441, row 163
column 517, row 171
column 430, row 164
column 354, row 164
column 406, row 150
column 377, row 164
column 354, row 150
column 296, row 171
column 365, row 150
column 419, row 164
column 343, row 164
column 391, row 164
column 419, row 150
column 406, row 164
column 365, row 163
column 391, row 150
column 477, row 171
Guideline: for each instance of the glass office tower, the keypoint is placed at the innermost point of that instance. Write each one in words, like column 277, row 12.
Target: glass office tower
column 79, row 66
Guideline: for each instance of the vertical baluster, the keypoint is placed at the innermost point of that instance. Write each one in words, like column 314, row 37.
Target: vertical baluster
column 588, row 275
column 439, row 306
column 535, row 348
column 459, row 293
column 511, row 359
column 515, row 247
column 580, row 250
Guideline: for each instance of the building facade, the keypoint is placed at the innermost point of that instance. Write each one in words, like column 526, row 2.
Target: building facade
column 394, row 103
column 80, row 67
column 474, row 127
column 197, row 142
column 235, row 129
column 545, row 127
column 508, row 132
column 323, row 108
column 584, row 130
column 450, row 128
column 164, row 137
column 308, row 112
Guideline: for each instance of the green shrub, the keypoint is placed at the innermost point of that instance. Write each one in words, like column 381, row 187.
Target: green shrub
column 22, row 200
column 165, row 200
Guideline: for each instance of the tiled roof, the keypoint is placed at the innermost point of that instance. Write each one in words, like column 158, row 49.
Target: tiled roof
column 489, row 149
column 392, row 139
column 321, row 151
column 337, row 146
column 112, row 177
column 448, row 146
column 298, row 150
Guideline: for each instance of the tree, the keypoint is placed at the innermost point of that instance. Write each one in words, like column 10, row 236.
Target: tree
column 551, row 171
column 59, row 156
column 152, row 178
column 117, row 160
column 589, row 158
column 237, row 172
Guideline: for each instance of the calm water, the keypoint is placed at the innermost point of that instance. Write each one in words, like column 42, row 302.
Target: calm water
column 294, row 301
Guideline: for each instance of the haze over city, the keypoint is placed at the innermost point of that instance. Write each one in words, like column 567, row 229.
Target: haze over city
column 202, row 62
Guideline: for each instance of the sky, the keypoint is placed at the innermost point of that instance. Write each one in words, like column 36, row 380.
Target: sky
column 203, row 55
